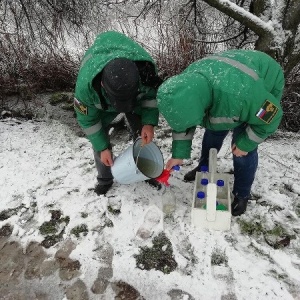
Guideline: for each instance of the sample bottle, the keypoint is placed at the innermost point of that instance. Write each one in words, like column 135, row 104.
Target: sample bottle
column 221, row 190
column 200, row 201
column 204, row 183
column 219, row 206
column 204, row 171
column 168, row 200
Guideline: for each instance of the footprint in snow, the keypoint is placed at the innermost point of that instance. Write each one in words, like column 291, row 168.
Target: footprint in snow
column 152, row 219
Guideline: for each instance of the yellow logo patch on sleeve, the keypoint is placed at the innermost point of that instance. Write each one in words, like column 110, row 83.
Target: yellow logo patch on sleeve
column 267, row 112
column 80, row 107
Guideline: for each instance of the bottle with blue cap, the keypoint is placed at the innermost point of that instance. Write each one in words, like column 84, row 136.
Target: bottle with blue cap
column 203, row 177
column 221, row 190
column 204, row 171
column 200, row 199
column 168, row 194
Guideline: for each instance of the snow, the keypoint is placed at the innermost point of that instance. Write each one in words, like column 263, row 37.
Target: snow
column 46, row 163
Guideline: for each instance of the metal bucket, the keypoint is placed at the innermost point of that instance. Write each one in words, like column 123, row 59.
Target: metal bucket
column 138, row 163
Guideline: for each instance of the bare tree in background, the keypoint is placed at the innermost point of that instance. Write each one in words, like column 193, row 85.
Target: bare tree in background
column 42, row 41
column 275, row 24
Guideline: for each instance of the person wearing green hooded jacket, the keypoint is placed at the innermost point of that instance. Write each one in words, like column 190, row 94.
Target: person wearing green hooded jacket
column 238, row 90
column 116, row 76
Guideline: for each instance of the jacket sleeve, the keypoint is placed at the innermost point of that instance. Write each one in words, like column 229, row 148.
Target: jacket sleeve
column 182, row 143
column 150, row 82
column 89, row 119
column 149, row 110
column 256, row 132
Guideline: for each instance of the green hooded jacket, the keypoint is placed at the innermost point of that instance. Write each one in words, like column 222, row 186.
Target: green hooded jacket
column 221, row 92
column 91, row 115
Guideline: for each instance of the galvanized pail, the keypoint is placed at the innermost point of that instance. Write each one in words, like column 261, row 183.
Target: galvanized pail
column 138, row 163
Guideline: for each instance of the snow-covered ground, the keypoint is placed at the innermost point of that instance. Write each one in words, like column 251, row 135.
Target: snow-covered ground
column 44, row 167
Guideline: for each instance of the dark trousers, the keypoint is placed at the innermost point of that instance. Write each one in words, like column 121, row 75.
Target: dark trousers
column 104, row 175
column 244, row 167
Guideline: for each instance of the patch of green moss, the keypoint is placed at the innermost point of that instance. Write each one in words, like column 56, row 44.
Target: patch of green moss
column 218, row 257
column 50, row 228
column 277, row 237
column 80, row 229
column 84, row 215
column 113, row 211
column 252, row 227
column 51, row 240
column 159, row 256
column 57, row 98
column 277, row 230
column 67, row 106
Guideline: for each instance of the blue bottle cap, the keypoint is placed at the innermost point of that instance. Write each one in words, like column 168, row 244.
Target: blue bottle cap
column 204, row 169
column 201, row 195
column 220, row 183
column 204, row 181
column 176, row 168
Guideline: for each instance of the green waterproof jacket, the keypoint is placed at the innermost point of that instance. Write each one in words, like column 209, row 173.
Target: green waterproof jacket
column 93, row 109
column 221, row 92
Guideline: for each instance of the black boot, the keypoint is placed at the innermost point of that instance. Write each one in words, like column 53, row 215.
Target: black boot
column 191, row 175
column 102, row 189
column 154, row 183
column 238, row 206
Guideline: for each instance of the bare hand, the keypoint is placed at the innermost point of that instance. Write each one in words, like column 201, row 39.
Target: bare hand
column 147, row 134
column 106, row 157
column 173, row 162
column 237, row 152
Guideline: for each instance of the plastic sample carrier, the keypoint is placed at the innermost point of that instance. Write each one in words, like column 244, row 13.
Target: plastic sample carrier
column 211, row 206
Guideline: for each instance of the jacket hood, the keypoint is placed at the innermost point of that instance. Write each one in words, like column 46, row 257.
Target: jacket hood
column 183, row 99
column 108, row 46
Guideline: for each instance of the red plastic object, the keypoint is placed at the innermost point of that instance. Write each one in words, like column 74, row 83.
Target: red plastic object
column 164, row 177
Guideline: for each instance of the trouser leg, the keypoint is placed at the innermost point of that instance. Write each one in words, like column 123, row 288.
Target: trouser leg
column 211, row 139
column 135, row 124
column 244, row 170
column 104, row 176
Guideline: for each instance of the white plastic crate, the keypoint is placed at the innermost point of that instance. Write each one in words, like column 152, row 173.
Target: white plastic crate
column 209, row 217
column 204, row 212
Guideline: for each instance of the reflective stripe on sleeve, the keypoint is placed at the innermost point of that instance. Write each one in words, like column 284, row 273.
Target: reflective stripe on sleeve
column 149, row 103
column 93, row 129
column 85, row 59
column 223, row 120
column 252, row 136
column 98, row 105
column 236, row 64
column 183, row 136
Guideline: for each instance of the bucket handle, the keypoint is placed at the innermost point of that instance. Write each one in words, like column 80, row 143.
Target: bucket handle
column 137, row 159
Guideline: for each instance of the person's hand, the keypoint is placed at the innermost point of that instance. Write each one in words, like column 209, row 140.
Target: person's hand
column 106, row 157
column 237, row 152
column 173, row 162
column 147, row 134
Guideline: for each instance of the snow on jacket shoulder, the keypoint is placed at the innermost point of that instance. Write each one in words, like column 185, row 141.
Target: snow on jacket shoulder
column 221, row 92
column 91, row 114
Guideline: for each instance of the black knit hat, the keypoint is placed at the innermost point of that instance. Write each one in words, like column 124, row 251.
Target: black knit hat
column 120, row 79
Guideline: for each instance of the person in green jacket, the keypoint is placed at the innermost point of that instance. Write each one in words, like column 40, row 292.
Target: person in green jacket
column 237, row 90
column 116, row 76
